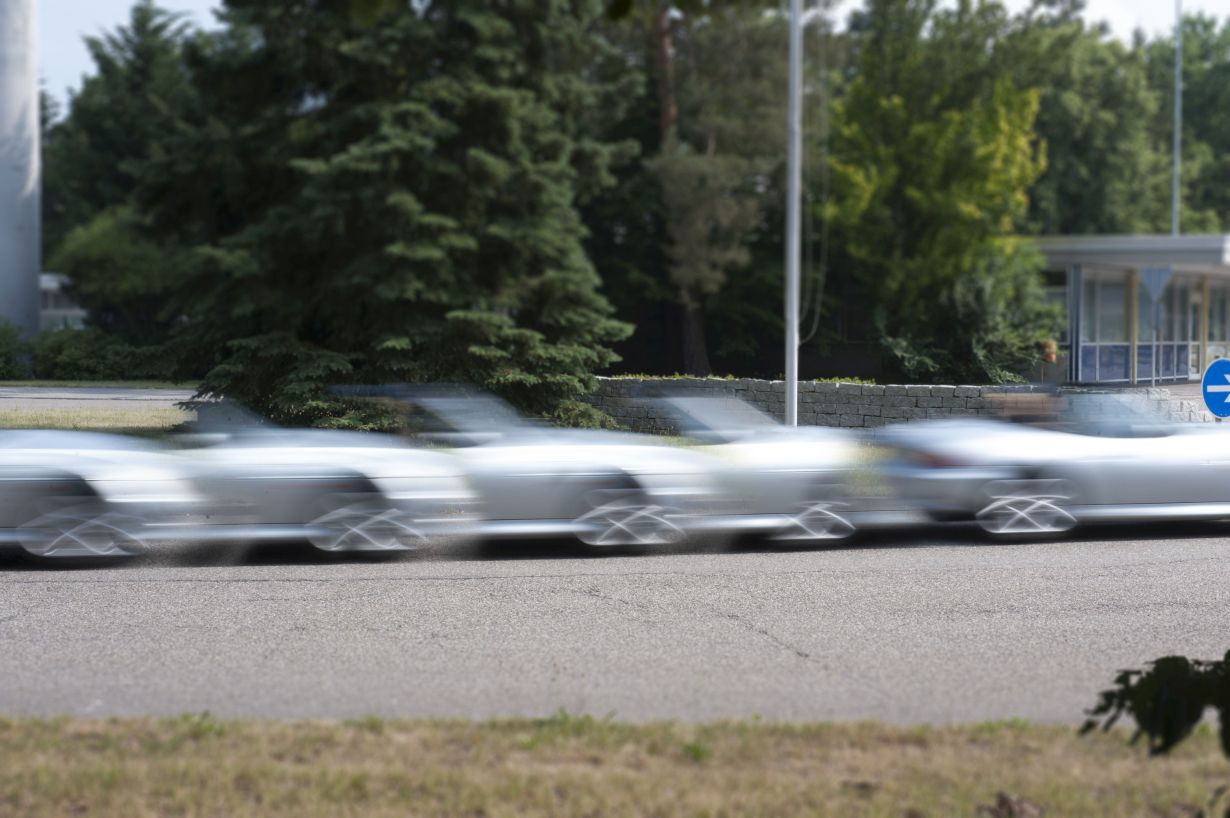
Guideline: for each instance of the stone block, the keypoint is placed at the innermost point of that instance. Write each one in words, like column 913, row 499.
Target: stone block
column 851, row 420
column 967, row 391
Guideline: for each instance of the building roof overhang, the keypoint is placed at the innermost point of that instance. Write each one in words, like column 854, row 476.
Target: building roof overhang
column 1198, row 253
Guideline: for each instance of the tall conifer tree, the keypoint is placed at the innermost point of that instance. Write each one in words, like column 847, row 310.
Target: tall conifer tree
column 387, row 191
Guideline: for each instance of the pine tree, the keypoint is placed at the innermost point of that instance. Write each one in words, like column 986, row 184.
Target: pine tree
column 381, row 192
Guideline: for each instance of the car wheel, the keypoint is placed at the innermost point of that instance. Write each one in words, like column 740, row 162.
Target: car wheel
column 822, row 514
column 1023, row 507
column 627, row 517
column 83, row 531
column 367, row 525
column 816, row 521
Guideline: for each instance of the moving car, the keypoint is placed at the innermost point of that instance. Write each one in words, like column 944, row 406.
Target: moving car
column 1101, row 458
column 787, row 484
column 82, row 494
column 341, row 491
column 603, row 488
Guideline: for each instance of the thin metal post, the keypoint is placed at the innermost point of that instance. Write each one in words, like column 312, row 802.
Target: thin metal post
column 794, row 187
column 1133, row 283
column 1157, row 330
column 1178, row 116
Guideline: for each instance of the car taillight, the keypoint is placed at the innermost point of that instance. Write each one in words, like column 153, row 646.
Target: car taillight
column 932, row 460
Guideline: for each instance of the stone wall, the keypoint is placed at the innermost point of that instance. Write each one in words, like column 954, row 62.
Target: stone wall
column 630, row 400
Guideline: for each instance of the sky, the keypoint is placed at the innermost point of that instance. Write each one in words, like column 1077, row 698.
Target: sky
column 63, row 24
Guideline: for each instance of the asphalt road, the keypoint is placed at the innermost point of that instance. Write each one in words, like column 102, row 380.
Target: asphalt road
column 936, row 630
column 89, row 397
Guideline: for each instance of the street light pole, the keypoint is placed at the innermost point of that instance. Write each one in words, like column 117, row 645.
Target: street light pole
column 1178, row 116
column 794, row 191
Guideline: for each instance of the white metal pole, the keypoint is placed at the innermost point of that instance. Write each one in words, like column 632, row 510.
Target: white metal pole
column 20, row 225
column 794, row 188
column 1178, row 116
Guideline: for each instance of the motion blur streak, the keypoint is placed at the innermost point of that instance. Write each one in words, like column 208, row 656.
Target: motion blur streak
column 475, row 470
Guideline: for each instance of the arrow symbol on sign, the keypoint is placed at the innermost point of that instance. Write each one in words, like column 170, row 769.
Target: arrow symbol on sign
column 1222, row 389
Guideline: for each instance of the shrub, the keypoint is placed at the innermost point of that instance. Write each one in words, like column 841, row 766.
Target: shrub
column 13, row 354
column 90, row 354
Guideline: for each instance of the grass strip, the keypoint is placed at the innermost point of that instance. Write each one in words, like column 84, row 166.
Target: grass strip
column 580, row 766
column 103, row 418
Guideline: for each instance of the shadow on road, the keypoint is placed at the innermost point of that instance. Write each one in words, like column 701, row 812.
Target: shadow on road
column 953, row 535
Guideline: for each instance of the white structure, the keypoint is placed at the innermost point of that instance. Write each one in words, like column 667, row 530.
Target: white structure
column 20, row 228
column 1141, row 309
column 57, row 310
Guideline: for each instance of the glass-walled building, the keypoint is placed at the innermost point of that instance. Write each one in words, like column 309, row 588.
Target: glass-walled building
column 1140, row 309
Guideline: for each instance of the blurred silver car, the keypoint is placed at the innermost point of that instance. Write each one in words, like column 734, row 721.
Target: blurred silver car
column 603, row 488
column 341, row 491
column 80, row 494
column 1105, row 459
column 802, row 484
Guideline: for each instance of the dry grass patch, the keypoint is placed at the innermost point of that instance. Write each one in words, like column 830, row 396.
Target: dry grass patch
column 569, row 766
column 95, row 418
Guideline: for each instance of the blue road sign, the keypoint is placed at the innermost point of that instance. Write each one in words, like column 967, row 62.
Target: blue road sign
column 1215, row 386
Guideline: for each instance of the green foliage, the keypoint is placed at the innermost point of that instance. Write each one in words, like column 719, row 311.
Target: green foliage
column 388, row 202
column 119, row 276
column 727, row 140
column 932, row 158
column 697, row 751
column 1167, row 701
column 1206, row 95
column 93, row 355
column 13, row 353
column 708, row 114
column 713, row 166
column 1106, row 170
column 93, row 158
column 371, row 191
column 199, row 726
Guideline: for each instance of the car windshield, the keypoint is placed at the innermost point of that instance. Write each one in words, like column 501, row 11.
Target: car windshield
column 1105, row 414
column 717, row 415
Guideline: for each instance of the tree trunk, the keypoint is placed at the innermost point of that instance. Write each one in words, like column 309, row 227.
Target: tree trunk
column 664, row 71
column 695, row 350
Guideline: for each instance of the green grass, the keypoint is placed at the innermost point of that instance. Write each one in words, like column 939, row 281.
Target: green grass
column 568, row 765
